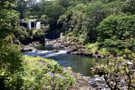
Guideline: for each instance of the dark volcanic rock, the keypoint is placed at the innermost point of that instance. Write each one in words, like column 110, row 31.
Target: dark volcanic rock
column 72, row 47
column 26, row 48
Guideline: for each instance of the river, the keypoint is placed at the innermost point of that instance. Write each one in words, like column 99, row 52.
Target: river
column 79, row 64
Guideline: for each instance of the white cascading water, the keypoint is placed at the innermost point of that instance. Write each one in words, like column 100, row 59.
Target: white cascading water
column 38, row 25
column 45, row 54
column 29, row 24
column 56, row 53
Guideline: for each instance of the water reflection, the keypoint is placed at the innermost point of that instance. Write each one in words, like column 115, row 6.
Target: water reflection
column 79, row 64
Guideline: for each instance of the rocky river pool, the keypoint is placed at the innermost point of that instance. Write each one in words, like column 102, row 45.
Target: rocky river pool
column 79, row 64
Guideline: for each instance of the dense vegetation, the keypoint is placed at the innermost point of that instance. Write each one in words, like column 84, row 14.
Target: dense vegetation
column 10, row 57
column 40, row 73
column 105, row 27
column 19, row 72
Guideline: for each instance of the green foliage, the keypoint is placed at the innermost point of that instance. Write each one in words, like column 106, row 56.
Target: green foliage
column 117, row 32
column 92, row 47
column 115, row 71
column 26, row 36
column 116, row 39
column 76, row 22
column 78, row 16
column 113, row 8
column 129, row 7
column 21, row 34
column 108, row 26
column 38, row 33
column 41, row 73
column 83, row 19
column 10, row 67
column 8, row 20
column 22, row 7
column 116, row 27
column 10, row 57
column 53, row 11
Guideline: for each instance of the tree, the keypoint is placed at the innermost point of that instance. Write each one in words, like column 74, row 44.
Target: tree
column 10, row 57
column 129, row 7
column 82, row 20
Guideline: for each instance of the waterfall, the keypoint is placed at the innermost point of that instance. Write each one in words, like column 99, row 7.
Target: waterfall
column 38, row 25
column 29, row 24
column 61, row 35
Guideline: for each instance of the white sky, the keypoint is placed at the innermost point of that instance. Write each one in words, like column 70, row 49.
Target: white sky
column 37, row 0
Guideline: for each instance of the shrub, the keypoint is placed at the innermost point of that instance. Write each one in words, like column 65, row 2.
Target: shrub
column 129, row 7
column 10, row 67
column 116, row 27
column 21, row 33
column 92, row 47
column 45, row 74
column 117, row 32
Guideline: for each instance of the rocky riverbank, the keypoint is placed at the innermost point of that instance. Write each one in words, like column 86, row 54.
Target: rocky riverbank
column 89, row 83
column 72, row 47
